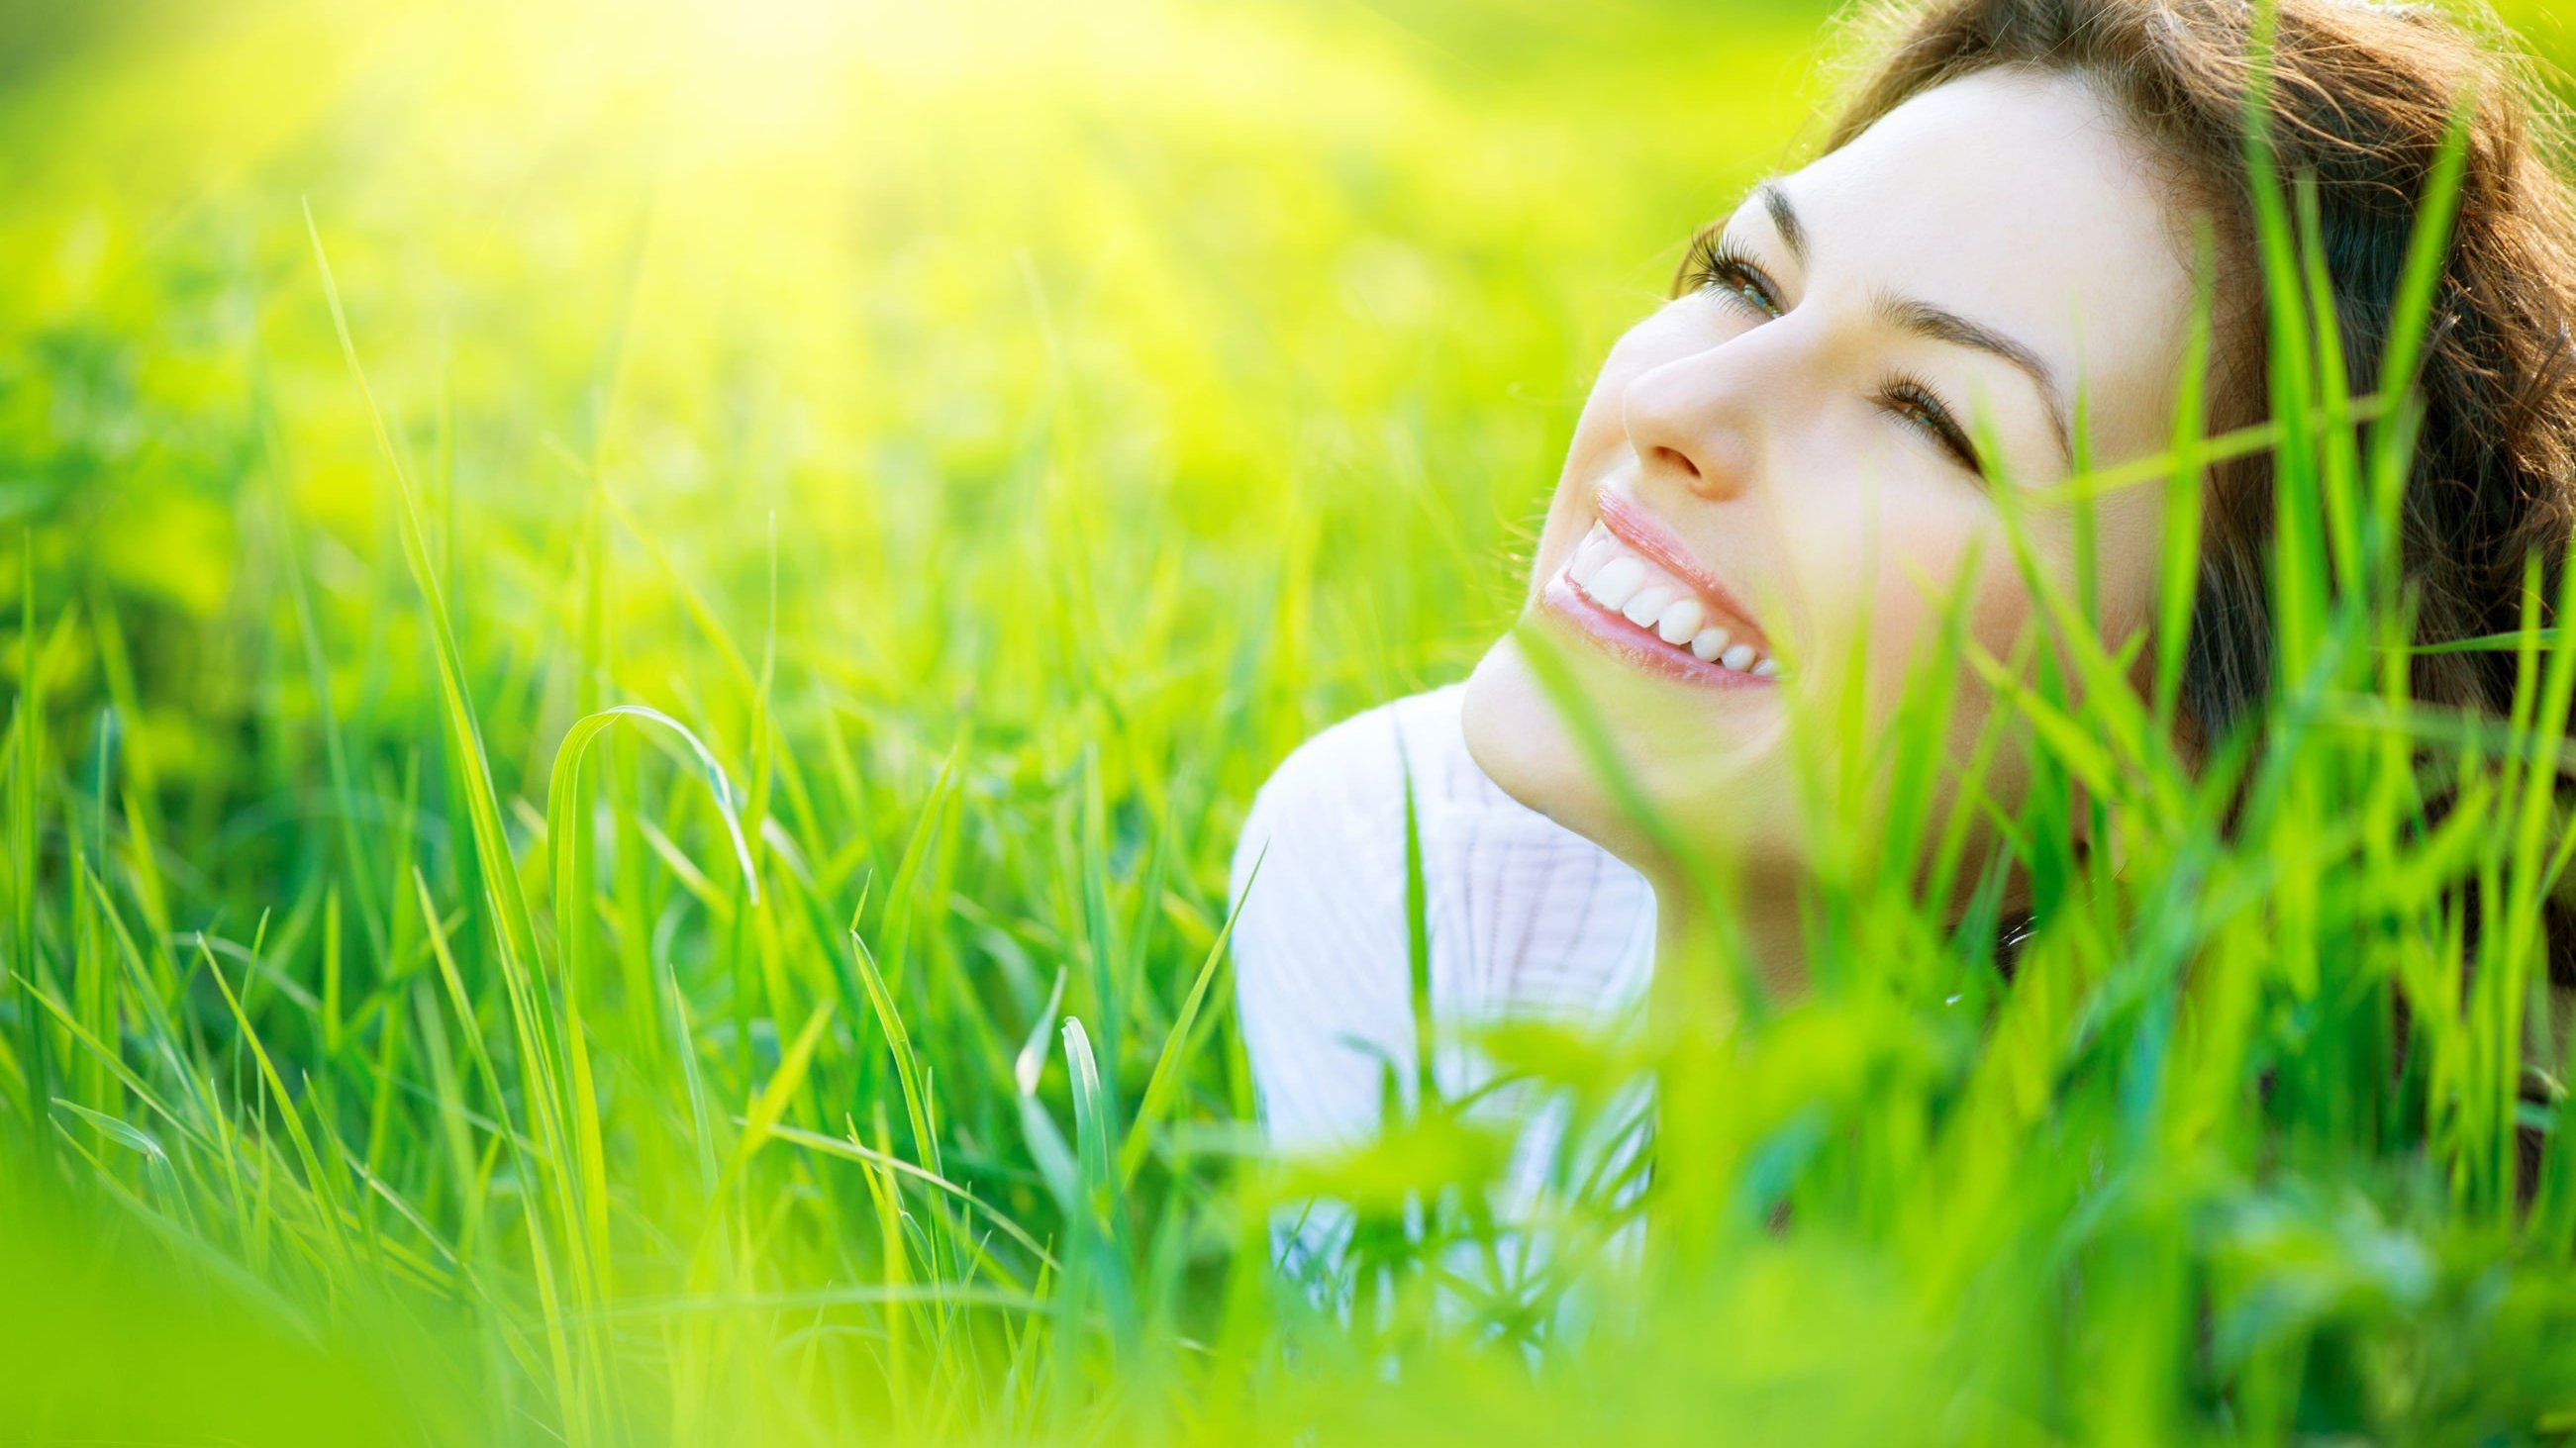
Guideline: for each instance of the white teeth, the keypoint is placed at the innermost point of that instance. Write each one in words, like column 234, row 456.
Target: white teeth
column 1626, row 585
column 1617, row 582
column 1648, row 605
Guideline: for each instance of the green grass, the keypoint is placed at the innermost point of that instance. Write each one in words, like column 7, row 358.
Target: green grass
column 640, row 640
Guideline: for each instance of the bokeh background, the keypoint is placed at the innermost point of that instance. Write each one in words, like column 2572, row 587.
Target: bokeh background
column 1076, row 350
column 999, row 430
column 1083, row 359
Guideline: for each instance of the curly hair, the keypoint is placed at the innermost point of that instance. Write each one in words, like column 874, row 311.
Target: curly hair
column 2361, row 99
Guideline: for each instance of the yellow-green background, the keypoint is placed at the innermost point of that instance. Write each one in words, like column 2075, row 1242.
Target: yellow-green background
column 1086, row 399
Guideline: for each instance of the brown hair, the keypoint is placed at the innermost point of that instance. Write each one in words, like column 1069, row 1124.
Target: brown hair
column 2361, row 98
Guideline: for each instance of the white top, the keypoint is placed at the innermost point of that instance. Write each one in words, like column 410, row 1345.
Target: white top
column 1525, row 918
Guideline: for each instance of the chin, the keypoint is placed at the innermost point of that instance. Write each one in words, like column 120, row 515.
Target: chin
column 1519, row 740
column 1730, row 794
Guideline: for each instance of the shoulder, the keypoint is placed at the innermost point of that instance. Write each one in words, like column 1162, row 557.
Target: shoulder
column 1341, row 794
column 1323, row 981
column 1522, row 915
column 1522, row 912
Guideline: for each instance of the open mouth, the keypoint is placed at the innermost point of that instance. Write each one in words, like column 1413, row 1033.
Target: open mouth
column 1624, row 597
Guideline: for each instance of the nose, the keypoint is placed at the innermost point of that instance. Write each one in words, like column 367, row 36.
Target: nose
column 1693, row 422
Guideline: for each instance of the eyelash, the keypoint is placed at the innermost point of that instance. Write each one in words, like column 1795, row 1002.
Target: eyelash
column 1713, row 266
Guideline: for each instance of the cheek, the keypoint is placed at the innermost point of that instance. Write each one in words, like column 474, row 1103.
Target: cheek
column 1883, row 564
column 1964, row 567
column 2131, row 549
column 1600, row 441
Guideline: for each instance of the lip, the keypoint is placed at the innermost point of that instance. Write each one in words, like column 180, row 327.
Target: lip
column 1646, row 533
column 1616, row 634
column 1613, row 634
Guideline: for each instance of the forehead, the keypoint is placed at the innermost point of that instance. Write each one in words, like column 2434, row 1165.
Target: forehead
column 2019, row 200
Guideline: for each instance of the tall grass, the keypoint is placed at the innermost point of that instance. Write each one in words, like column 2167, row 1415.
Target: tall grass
column 627, row 732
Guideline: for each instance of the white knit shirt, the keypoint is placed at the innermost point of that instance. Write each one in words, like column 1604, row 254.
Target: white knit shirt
column 1526, row 918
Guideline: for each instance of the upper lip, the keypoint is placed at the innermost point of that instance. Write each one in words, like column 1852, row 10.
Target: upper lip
column 1629, row 521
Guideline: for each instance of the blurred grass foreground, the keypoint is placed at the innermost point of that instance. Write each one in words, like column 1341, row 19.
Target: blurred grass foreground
column 971, row 443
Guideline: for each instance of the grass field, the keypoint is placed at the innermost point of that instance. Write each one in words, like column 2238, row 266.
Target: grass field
column 638, row 635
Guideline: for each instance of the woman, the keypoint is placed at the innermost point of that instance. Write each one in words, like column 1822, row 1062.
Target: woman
column 1988, row 275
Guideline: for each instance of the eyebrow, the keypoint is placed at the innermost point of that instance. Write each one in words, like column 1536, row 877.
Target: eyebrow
column 1937, row 324
column 1784, row 219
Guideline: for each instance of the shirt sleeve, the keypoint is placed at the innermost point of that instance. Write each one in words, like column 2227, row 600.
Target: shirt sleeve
column 1322, row 963
column 1525, row 918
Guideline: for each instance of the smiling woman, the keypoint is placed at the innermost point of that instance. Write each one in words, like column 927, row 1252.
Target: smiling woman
column 1837, row 443
column 1802, row 425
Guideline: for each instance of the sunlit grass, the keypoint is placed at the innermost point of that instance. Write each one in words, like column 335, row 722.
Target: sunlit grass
column 986, row 437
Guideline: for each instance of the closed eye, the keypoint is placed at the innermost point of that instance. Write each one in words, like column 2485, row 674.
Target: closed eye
column 1913, row 401
column 1714, row 267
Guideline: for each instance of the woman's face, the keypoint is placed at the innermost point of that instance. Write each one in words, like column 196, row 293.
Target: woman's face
column 1786, row 460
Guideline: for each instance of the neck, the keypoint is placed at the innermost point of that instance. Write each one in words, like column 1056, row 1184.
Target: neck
column 1700, row 1072
column 1695, row 932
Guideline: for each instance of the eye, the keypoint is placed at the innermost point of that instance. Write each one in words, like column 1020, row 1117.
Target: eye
column 1913, row 401
column 1713, row 266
